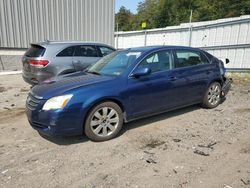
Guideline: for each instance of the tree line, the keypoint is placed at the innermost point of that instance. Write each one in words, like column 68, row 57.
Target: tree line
column 162, row 13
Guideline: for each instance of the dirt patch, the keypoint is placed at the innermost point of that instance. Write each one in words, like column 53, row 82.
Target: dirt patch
column 11, row 113
column 245, row 150
column 24, row 89
column 2, row 89
column 242, row 110
column 240, row 78
column 152, row 143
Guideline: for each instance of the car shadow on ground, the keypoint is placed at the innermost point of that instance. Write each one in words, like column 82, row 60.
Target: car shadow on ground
column 69, row 140
column 66, row 140
column 159, row 117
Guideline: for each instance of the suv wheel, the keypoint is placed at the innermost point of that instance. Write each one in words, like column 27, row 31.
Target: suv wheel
column 104, row 121
column 212, row 96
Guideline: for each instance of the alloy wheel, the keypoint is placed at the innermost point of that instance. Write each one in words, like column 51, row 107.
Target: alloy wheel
column 104, row 121
column 214, row 94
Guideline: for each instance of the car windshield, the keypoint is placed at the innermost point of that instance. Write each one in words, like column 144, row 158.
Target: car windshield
column 115, row 63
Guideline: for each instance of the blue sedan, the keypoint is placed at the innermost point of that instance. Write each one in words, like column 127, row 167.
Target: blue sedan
column 124, row 86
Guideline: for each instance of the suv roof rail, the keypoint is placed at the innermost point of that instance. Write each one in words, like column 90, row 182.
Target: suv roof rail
column 47, row 40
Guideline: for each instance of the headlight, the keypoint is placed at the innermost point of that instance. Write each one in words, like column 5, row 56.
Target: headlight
column 57, row 102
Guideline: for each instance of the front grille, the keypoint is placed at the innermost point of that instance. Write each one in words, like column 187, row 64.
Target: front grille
column 32, row 101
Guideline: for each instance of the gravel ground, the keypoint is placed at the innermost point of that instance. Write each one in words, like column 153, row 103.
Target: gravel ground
column 191, row 147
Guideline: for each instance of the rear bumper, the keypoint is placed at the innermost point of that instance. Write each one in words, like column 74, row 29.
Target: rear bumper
column 226, row 86
column 35, row 78
column 29, row 80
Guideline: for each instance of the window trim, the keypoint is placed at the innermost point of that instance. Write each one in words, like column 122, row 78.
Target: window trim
column 206, row 55
column 189, row 50
column 155, row 51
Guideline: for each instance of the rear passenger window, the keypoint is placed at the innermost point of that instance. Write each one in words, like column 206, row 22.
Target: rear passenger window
column 158, row 61
column 187, row 58
column 86, row 51
column 67, row 52
column 105, row 50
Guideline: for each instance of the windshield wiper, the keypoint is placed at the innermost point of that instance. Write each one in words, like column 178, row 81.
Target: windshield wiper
column 93, row 72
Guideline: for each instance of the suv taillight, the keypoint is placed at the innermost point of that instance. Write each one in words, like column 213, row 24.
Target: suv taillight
column 39, row 63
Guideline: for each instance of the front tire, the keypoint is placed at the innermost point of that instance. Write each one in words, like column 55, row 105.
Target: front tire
column 103, row 122
column 212, row 96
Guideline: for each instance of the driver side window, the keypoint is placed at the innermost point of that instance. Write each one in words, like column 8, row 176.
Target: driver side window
column 158, row 61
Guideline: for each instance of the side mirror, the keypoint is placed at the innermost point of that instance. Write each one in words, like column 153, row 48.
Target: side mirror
column 142, row 71
column 224, row 60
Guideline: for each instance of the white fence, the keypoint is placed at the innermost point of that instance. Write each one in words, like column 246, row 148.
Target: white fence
column 224, row 38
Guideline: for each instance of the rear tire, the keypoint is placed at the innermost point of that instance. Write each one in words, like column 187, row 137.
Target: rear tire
column 103, row 122
column 212, row 96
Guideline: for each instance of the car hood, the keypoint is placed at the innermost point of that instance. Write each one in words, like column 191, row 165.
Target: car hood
column 61, row 84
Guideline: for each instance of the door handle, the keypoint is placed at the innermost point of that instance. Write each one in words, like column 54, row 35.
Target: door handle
column 208, row 72
column 172, row 78
column 76, row 61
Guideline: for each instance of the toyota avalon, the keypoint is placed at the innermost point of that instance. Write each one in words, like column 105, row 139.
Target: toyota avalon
column 123, row 86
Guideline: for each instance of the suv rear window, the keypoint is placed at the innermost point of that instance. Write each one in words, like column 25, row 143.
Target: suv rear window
column 35, row 51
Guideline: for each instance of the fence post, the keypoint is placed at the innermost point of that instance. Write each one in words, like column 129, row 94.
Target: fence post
column 1, row 63
column 190, row 35
column 190, row 28
column 117, row 36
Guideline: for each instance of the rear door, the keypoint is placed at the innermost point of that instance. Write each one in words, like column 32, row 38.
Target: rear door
column 195, row 70
column 84, row 56
column 63, row 61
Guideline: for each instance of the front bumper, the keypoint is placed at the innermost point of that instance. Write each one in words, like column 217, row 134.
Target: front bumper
column 55, row 123
column 61, row 122
column 226, row 86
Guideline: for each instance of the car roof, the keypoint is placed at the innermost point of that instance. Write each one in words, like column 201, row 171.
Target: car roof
column 159, row 47
column 64, row 43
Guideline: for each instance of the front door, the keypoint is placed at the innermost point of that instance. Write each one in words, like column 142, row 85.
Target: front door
column 158, row 91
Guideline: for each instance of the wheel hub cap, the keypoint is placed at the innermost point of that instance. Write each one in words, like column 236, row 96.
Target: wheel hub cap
column 104, row 121
column 214, row 94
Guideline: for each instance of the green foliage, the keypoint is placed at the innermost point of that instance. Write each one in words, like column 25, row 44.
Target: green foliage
column 162, row 13
column 124, row 19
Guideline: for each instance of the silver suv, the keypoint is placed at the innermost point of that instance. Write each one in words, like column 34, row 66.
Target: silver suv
column 47, row 59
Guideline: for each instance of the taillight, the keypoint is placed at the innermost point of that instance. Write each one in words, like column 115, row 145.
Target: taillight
column 39, row 63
